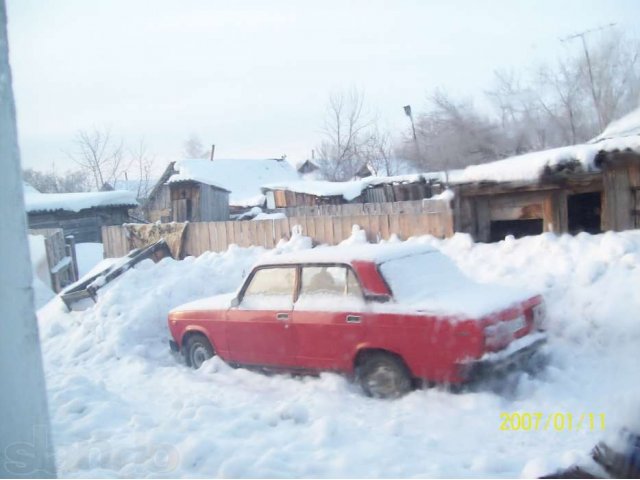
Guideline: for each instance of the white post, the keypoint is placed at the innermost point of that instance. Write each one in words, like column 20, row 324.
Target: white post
column 25, row 445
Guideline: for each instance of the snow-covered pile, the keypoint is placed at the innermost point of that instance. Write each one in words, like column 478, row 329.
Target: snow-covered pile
column 623, row 127
column 242, row 177
column 74, row 202
column 122, row 405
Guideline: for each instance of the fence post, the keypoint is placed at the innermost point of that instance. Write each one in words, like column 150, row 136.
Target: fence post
column 70, row 244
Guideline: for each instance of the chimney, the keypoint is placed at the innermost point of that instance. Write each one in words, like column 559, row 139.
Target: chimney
column 213, row 149
column 313, row 154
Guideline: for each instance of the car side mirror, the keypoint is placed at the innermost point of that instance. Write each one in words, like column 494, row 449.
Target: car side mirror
column 235, row 302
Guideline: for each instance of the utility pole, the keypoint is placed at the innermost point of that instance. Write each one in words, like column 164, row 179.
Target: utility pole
column 25, row 432
column 594, row 95
column 407, row 111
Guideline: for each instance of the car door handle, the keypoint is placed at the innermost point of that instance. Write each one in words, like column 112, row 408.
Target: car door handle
column 282, row 316
column 353, row 319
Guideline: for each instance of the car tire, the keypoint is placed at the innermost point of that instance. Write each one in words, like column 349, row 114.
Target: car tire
column 382, row 375
column 197, row 350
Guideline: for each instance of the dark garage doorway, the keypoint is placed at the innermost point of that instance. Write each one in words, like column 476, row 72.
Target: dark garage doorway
column 517, row 228
column 584, row 212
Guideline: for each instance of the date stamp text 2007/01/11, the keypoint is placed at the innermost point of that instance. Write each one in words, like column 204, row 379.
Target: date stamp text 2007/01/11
column 558, row 421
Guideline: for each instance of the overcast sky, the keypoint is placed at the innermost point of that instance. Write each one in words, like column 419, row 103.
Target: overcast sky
column 253, row 77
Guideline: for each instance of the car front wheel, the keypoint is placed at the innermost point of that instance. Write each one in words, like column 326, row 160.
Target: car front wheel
column 382, row 375
column 197, row 350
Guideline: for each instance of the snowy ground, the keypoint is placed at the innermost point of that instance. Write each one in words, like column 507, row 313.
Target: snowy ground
column 88, row 256
column 122, row 405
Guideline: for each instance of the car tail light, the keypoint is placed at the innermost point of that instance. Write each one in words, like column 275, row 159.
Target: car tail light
column 502, row 333
column 539, row 315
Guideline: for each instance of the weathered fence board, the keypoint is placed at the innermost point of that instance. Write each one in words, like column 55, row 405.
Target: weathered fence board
column 349, row 209
column 61, row 257
column 217, row 236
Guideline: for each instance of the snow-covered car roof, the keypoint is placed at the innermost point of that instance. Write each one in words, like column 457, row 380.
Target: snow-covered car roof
column 377, row 253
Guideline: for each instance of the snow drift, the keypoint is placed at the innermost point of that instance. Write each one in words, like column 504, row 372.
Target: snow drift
column 122, row 405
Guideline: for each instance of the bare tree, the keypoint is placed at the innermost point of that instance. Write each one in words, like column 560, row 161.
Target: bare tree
column 378, row 153
column 193, row 148
column 351, row 139
column 51, row 182
column 100, row 155
column 453, row 134
column 555, row 104
column 144, row 163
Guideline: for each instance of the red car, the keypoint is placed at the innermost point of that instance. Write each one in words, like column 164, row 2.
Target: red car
column 389, row 314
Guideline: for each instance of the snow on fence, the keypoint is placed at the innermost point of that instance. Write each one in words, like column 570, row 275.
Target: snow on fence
column 217, row 236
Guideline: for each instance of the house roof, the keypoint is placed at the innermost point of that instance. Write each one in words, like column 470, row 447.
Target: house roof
column 242, row 177
column 74, row 202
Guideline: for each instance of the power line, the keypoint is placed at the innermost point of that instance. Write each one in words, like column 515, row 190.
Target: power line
column 594, row 95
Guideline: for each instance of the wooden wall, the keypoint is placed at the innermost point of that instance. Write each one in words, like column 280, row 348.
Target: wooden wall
column 399, row 192
column 621, row 201
column 158, row 207
column 84, row 225
column 288, row 199
column 415, row 206
column 214, row 204
column 475, row 213
column 217, row 236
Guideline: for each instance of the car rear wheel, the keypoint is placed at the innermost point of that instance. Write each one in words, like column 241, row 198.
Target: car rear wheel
column 197, row 350
column 383, row 375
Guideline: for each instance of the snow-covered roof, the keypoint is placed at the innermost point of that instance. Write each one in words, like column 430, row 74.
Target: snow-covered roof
column 350, row 189
column 242, row 177
column 531, row 166
column 378, row 253
column 623, row 127
column 522, row 168
column 320, row 188
column 74, row 202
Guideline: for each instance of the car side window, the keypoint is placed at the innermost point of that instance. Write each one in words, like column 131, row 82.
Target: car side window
column 270, row 288
column 334, row 281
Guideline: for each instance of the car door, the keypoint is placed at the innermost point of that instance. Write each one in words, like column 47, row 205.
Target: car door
column 258, row 330
column 329, row 317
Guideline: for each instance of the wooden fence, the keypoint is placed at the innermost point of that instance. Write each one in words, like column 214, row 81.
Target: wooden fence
column 61, row 256
column 413, row 206
column 217, row 236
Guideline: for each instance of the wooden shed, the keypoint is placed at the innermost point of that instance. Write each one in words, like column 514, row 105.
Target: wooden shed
column 562, row 201
column 198, row 202
column 212, row 190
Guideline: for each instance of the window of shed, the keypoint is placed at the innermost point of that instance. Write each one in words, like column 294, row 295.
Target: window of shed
column 518, row 228
column 584, row 212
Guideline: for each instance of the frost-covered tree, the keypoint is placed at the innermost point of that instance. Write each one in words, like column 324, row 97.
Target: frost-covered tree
column 100, row 155
column 565, row 102
column 51, row 182
column 352, row 139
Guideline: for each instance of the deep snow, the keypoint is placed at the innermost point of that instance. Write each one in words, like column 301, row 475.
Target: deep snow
column 122, row 405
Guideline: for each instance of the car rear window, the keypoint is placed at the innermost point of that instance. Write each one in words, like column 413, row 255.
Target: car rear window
column 418, row 277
